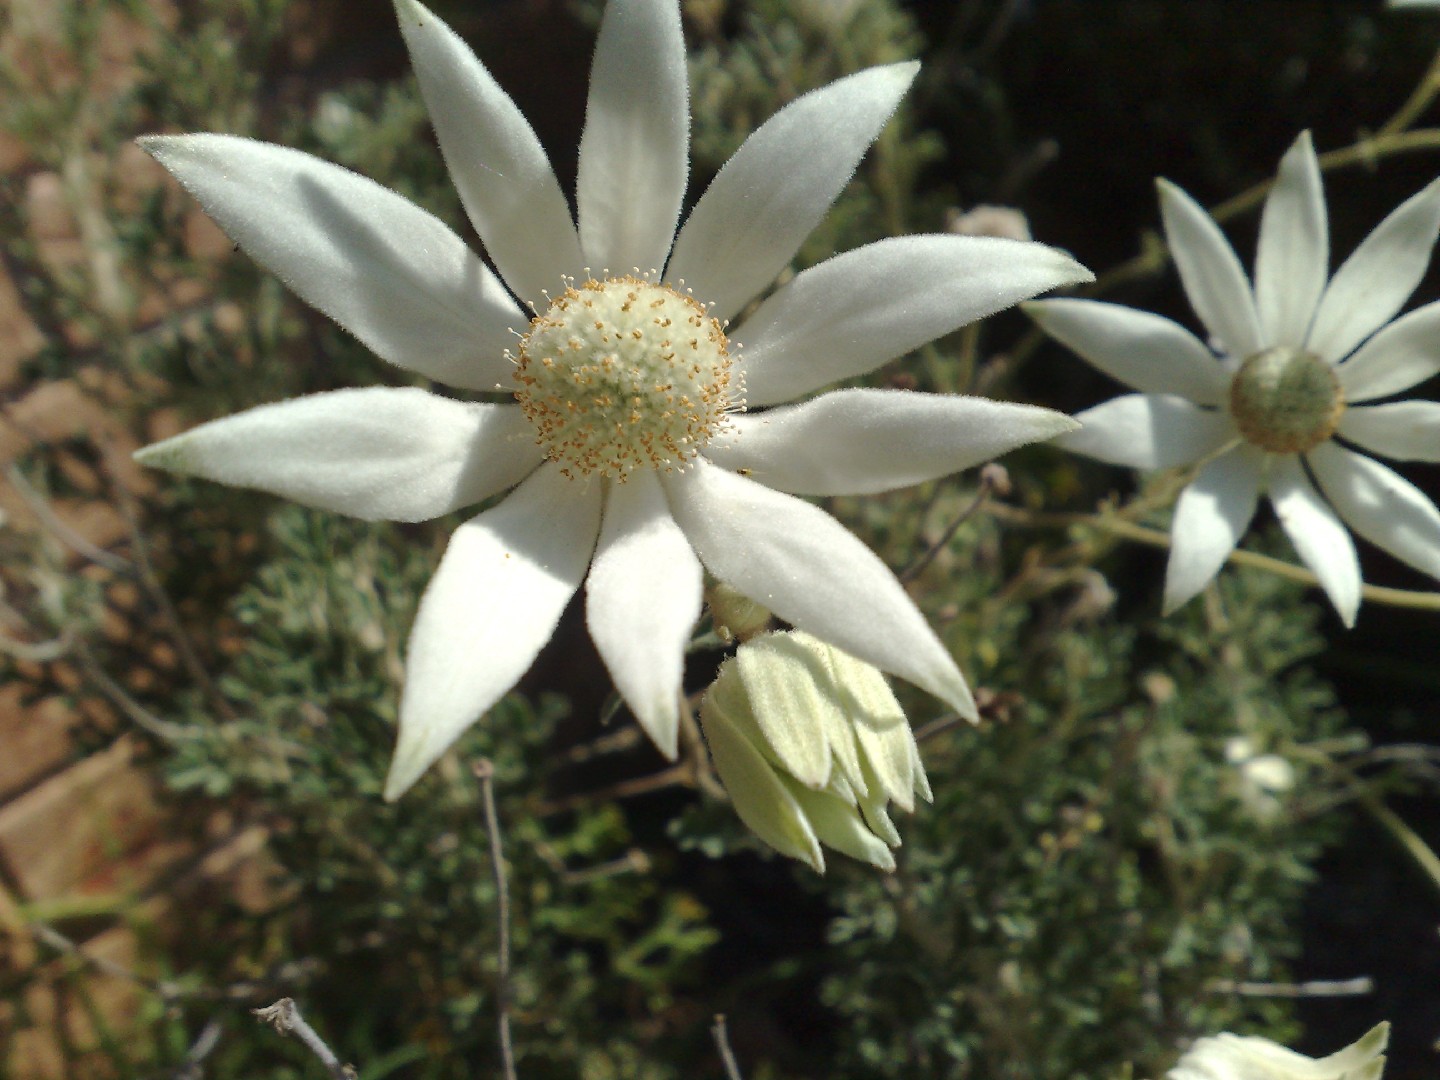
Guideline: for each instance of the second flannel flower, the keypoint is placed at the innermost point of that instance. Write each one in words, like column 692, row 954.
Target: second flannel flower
column 1302, row 358
column 633, row 461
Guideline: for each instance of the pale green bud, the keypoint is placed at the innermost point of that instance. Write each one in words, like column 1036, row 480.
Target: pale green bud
column 811, row 745
column 1249, row 1057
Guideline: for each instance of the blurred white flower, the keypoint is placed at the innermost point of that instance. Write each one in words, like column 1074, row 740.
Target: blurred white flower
column 1300, row 361
column 634, row 463
column 1262, row 778
column 1249, row 1057
column 811, row 745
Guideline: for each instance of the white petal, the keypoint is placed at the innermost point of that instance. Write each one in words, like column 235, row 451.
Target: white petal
column 777, row 187
column 1148, row 431
column 1376, row 280
column 642, row 599
column 803, row 565
column 635, row 153
column 1210, row 517
column 858, row 442
column 1323, row 543
column 1380, row 505
column 848, row 315
column 498, row 165
column 1292, row 260
column 1143, row 350
column 1402, row 354
column 393, row 275
column 839, row 826
column 1405, row 431
column 377, row 453
column 491, row 606
column 1214, row 280
column 767, row 806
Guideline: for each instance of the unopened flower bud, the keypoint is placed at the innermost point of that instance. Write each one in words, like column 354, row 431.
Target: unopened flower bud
column 735, row 615
column 811, row 745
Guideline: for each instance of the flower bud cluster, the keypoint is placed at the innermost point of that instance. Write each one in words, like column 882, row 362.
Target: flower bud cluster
column 811, row 745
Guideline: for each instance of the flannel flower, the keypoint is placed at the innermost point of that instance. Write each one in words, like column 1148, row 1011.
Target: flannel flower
column 1301, row 360
column 1249, row 1057
column 625, row 438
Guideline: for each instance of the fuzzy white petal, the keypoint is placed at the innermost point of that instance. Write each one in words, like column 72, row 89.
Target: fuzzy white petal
column 393, row 275
column 858, row 442
column 768, row 807
column 377, row 453
column 1214, row 280
column 1148, row 431
column 642, row 599
column 1322, row 541
column 777, row 187
column 1210, row 517
column 491, row 606
column 1404, row 431
column 1292, row 260
column 1380, row 505
column 803, row 565
column 850, row 314
column 1404, row 353
column 635, row 153
column 1143, row 350
column 1379, row 276
column 839, row 826
column 498, row 165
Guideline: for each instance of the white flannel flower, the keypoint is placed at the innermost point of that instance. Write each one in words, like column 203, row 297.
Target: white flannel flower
column 1249, row 1057
column 1300, row 361
column 811, row 745
column 632, row 462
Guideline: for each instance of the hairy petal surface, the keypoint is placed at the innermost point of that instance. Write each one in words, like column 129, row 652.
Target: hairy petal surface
column 1292, row 260
column 764, row 202
column 1380, row 505
column 1141, row 349
column 635, row 153
column 1148, row 431
column 1322, row 541
column 1405, row 430
column 498, row 165
column 525, row 559
column 642, row 601
column 1210, row 518
column 858, row 442
column 376, row 453
column 393, row 275
column 1379, row 276
column 1404, row 353
column 848, row 315
column 803, row 565
column 1214, row 280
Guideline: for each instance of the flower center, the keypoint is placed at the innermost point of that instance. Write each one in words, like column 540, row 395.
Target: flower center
column 1286, row 400
column 624, row 374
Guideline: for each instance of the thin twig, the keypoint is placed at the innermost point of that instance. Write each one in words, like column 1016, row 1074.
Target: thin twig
column 1111, row 523
column 61, row 531
column 145, row 571
column 44, row 932
column 484, row 771
column 285, row 1018
column 722, row 1044
column 165, row 730
column 989, row 480
column 209, row 1038
column 1355, row 987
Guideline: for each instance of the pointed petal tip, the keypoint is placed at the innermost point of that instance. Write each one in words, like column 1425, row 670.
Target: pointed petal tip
column 401, row 778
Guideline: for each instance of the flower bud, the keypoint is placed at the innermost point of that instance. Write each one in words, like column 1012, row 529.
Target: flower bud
column 1248, row 1057
column 811, row 745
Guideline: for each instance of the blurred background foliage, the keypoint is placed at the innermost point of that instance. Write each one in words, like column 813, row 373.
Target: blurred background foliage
column 1100, row 878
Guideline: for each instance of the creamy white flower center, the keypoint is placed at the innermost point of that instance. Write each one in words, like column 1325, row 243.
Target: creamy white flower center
column 1286, row 400
column 624, row 374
